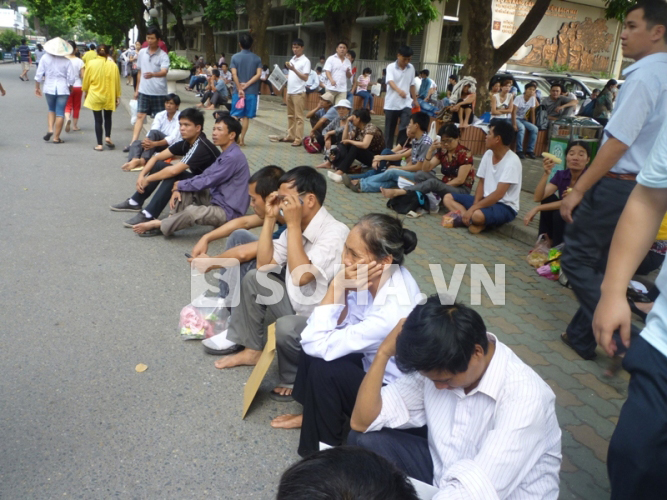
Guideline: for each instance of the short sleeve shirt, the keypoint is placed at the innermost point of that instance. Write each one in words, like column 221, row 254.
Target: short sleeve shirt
column 296, row 85
column 152, row 63
column 523, row 106
column 403, row 79
column 198, row 156
column 246, row 64
column 508, row 170
column 420, row 148
column 450, row 168
column 562, row 180
column 24, row 50
column 338, row 70
column 377, row 143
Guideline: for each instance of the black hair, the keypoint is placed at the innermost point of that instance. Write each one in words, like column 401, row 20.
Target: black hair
column 557, row 85
column 232, row 124
column 421, row 119
column 506, row 81
column 610, row 84
column 298, row 41
column 582, row 144
column 306, row 180
column 352, row 53
column 454, row 77
column 503, row 129
column 224, row 64
column 39, row 46
column 23, row 41
column 216, row 72
column 342, row 42
column 196, row 57
column 92, row 46
column 319, row 68
column 266, row 180
column 405, row 51
column 531, row 84
column 192, row 115
column 72, row 44
column 363, row 114
column 655, row 13
column 322, row 57
column 154, row 30
column 265, row 67
column 450, row 130
column 385, row 235
column 345, row 473
column 245, row 40
column 425, row 72
column 367, row 71
column 439, row 337
column 173, row 98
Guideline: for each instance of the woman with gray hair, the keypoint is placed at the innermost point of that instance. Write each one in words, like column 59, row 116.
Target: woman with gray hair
column 344, row 332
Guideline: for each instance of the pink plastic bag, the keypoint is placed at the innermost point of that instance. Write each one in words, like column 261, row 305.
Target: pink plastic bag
column 201, row 320
column 240, row 104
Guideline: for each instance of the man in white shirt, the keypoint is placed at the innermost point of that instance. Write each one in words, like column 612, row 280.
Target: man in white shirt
column 307, row 250
column 337, row 70
column 492, row 431
column 401, row 96
column 153, row 66
column 299, row 71
column 496, row 199
column 603, row 190
column 164, row 132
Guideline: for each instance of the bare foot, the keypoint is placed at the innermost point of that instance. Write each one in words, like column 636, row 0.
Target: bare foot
column 242, row 144
column 247, row 357
column 200, row 105
column 211, row 107
column 133, row 163
column 146, row 226
column 372, row 112
column 283, row 391
column 476, row 229
column 326, row 164
column 287, row 422
column 392, row 193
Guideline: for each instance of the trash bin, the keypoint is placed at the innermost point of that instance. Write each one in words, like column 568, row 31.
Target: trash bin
column 574, row 128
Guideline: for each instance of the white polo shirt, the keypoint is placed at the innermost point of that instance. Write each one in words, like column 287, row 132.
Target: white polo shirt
column 338, row 71
column 404, row 79
column 296, row 85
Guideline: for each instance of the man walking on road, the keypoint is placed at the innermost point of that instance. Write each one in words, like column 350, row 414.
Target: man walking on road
column 246, row 69
column 152, row 66
column 26, row 60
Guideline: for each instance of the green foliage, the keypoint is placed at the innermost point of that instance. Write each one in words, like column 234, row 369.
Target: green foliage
column 558, row 68
column 602, row 75
column 178, row 62
column 459, row 59
column 8, row 39
column 615, row 9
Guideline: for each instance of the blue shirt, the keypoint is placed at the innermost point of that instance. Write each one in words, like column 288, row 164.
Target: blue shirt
column 24, row 50
column 246, row 64
column 654, row 175
column 641, row 108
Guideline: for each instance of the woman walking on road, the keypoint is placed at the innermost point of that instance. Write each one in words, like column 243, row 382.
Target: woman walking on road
column 57, row 73
column 74, row 102
column 101, row 89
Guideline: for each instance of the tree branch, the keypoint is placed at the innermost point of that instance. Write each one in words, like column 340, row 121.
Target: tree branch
column 514, row 43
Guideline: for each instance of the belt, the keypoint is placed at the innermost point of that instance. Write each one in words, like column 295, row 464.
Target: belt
column 622, row 177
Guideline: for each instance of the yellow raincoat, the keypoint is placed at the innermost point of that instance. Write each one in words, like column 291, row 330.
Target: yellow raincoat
column 101, row 83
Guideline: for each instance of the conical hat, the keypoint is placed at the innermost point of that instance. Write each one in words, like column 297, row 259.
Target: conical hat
column 58, row 47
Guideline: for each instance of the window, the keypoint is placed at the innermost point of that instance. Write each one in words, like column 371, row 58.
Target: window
column 395, row 40
column 450, row 43
column 282, row 43
column 370, row 44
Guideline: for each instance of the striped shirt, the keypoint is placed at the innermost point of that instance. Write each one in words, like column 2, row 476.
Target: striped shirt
column 499, row 441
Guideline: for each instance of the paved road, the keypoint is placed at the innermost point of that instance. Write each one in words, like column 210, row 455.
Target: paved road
column 84, row 301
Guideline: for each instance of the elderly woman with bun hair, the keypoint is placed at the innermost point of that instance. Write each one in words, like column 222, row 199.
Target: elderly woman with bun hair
column 346, row 329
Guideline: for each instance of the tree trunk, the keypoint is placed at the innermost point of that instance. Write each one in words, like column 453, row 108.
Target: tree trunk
column 209, row 40
column 179, row 27
column 338, row 28
column 138, row 10
column 259, row 12
column 484, row 60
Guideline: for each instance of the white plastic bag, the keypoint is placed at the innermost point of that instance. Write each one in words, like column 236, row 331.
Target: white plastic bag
column 376, row 89
column 431, row 132
column 133, row 111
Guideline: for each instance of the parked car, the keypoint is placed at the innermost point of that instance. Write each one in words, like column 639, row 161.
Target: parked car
column 521, row 79
column 581, row 86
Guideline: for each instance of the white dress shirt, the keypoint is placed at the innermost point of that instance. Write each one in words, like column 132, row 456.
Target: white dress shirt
column 367, row 323
column 313, row 81
column 404, row 79
column 338, row 71
column 640, row 110
column 296, row 85
column 171, row 129
column 57, row 73
column 499, row 441
column 323, row 242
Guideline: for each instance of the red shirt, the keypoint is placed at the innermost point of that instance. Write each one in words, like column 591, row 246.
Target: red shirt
column 450, row 168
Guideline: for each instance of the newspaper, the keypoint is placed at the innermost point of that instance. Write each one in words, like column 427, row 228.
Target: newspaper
column 277, row 78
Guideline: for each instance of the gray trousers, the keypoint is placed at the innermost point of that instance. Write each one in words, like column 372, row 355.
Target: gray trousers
column 248, row 323
column 137, row 150
column 237, row 238
column 427, row 182
column 194, row 209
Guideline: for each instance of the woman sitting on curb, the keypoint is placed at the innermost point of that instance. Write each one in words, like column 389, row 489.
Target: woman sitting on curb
column 368, row 141
column 577, row 156
column 346, row 329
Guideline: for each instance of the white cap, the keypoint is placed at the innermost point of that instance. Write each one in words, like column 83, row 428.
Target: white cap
column 343, row 103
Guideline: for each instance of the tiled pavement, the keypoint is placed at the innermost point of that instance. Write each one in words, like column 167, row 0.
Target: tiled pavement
column 535, row 312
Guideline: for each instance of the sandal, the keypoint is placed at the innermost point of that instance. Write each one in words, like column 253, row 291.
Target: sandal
column 281, row 398
column 59, row 141
column 110, row 145
column 47, row 137
column 98, row 148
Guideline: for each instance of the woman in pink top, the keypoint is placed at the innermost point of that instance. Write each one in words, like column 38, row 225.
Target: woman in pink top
column 362, row 89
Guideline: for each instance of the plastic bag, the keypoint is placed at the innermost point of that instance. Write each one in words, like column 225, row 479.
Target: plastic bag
column 539, row 254
column 201, row 319
column 240, row 104
column 432, row 132
column 554, row 259
column 376, row 89
column 133, row 111
column 545, row 271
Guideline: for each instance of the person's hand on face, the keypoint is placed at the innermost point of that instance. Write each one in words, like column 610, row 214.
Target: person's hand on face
column 272, row 206
column 292, row 209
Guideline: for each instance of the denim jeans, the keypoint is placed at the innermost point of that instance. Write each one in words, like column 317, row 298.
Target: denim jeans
column 367, row 97
column 523, row 125
column 427, row 107
column 387, row 179
column 380, row 169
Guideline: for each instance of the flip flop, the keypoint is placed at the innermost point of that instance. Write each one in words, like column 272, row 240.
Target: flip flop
column 47, row 137
column 98, row 150
column 59, row 141
column 287, row 398
column 110, row 145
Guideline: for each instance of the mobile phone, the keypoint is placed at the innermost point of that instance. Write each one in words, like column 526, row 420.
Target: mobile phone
column 188, row 255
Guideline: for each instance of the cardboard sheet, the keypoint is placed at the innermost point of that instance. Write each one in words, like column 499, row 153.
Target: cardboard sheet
column 259, row 372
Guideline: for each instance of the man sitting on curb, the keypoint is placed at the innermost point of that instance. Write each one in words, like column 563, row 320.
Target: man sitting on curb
column 213, row 197
column 241, row 244
column 308, row 250
column 321, row 116
column 498, row 191
column 491, row 426
column 420, row 142
column 197, row 153
column 164, row 132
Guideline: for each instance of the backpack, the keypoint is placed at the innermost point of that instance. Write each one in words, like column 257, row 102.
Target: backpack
column 312, row 146
column 588, row 109
column 541, row 117
column 409, row 202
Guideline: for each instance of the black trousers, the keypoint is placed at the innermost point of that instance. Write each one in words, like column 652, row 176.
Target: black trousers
column 392, row 118
column 327, row 390
column 551, row 223
column 99, row 117
column 637, row 456
column 584, row 259
column 162, row 190
column 651, row 262
column 348, row 153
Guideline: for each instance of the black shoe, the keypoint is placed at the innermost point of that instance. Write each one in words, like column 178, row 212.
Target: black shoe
column 125, row 207
column 530, row 155
column 587, row 356
column 137, row 219
column 126, row 149
column 521, row 155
